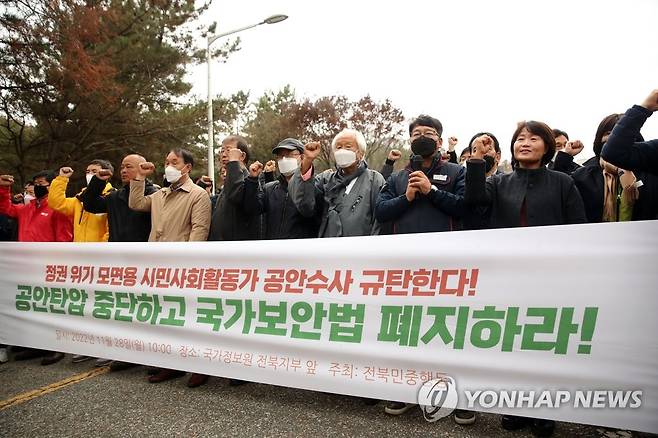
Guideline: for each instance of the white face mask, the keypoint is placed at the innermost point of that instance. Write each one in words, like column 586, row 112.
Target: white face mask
column 172, row 174
column 27, row 198
column 287, row 166
column 344, row 158
column 89, row 176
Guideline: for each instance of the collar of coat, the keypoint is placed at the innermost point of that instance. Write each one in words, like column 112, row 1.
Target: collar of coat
column 186, row 187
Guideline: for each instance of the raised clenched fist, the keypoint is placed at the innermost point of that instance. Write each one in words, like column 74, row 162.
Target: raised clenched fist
column 66, row 172
column 235, row 154
column 394, row 155
column 651, row 102
column 312, row 150
column 452, row 142
column 481, row 146
column 104, row 174
column 255, row 169
column 146, row 169
column 270, row 166
column 6, row 180
column 573, row 148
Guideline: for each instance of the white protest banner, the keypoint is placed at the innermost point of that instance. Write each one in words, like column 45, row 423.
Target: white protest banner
column 549, row 322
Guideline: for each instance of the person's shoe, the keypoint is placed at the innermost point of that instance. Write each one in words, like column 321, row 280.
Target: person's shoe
column 197, row 380
column 513, row 422
column 164, row 375
column 102, row 362
column 236, row 382
column 397, row 408
column 542, row 428
column 4, row 357
column 53, row 358
column 77, row 358
column 30, row 354
column 120, row 366
column 464, row 417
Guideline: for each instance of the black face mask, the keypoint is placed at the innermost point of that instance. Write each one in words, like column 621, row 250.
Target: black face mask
column 423, row 146
column 40, row 191
column 489, row 162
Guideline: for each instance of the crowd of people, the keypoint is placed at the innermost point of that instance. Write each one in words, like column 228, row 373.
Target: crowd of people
column 287, row 199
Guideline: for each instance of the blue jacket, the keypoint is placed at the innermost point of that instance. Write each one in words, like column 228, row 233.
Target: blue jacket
column 436, row 211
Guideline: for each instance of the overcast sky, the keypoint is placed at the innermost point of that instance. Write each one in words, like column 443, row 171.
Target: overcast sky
column 476, row 65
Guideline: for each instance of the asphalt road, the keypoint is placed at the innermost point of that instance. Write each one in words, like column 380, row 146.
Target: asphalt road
column 124, row 404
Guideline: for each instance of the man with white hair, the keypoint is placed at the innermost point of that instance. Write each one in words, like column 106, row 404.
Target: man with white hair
column 345, row 199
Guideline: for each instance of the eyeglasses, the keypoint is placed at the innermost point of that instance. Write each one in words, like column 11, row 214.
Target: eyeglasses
column 427, row 133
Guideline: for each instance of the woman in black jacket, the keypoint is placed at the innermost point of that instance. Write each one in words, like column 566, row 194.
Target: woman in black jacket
column 531, row 195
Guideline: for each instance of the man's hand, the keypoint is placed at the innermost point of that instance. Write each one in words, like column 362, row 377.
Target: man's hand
column 452, row 142
column 104, row 174
column 235, row 154
column 627, row 179
column 411, row 192
column 18, row 198
column 146, row 169
column 394, row 155
column 651, row 102
column 270, row 166
column 66, row 172
column 629, row 191
column 6, row 180
column 573, row 148
column 255, row 169
column 482, row 146
column 311, row 152
column 419, row 180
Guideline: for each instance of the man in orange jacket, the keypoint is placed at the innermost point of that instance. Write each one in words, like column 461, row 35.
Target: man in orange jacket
column 87, row 227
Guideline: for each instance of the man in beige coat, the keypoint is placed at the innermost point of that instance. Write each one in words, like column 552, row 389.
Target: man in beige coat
column 179, row 213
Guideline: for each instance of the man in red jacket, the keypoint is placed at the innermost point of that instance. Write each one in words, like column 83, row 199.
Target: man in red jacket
column 36, row 223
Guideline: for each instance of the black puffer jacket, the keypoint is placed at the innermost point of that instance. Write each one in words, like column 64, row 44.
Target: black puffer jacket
column 549, row 197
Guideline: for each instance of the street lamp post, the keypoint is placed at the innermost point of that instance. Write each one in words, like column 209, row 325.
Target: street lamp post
column 211, row 39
